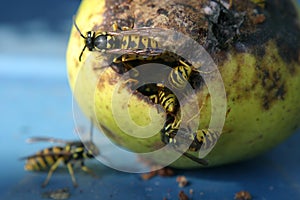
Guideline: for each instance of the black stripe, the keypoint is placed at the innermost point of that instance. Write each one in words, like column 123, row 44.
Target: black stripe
column 38, row 164
column 141, row 44
column 149, row 43
column 131, row 43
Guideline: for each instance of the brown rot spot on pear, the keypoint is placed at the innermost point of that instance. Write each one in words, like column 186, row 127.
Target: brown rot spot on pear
column 162, row 11
column 228, row 111
column 273, row 86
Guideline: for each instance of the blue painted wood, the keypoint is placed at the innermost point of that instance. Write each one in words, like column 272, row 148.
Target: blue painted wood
column 40, row 104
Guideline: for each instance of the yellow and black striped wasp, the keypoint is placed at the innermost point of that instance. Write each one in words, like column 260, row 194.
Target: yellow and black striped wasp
column 71, row 153
column 202, row 139
column 261, row 3
column 165, row 98
column 129, row 45
column 161, row 95
column 169, row 132
column 134, row 47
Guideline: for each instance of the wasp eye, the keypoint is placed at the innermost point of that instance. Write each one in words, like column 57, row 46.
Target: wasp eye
column 101, row 42
column 89, row 41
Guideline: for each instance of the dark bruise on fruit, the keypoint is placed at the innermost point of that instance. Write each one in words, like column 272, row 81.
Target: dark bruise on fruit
column 288, row 36
column 223, row 26
column 274, row 86
column 278, row 21
column 245, row 26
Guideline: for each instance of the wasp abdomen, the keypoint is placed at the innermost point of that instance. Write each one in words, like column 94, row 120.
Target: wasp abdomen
column 43, row 159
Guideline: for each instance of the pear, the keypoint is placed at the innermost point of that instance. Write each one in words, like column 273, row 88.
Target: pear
column 254, row 44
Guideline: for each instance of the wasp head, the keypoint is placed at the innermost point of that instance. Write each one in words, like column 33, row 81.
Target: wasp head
column 92, row 149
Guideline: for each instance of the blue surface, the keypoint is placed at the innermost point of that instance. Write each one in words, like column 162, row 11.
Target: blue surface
column 33, row 106
column 36, row 100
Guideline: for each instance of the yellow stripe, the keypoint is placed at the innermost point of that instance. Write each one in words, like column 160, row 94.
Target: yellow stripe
column 108, row 46
column 154, row 44
column 144, row 41
column 41, row 161
column 125, row 42
column 30, row 164
column 57, row 150
column 134, row 39
column 49, row 159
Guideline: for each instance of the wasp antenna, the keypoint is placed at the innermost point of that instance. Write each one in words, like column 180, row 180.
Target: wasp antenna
column 91, row 129
column 193, row 158
column 45, row 139
column 81, row 53
column 74, row 22
column 198, row 160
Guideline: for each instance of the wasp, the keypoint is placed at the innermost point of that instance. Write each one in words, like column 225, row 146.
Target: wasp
column 128, row 45
column 180, row 75
column 201, row 139
column 204, row 138
column 165, row 98
column 73, row 152
column 168, row 134
column 131, row 43
column 260, row 3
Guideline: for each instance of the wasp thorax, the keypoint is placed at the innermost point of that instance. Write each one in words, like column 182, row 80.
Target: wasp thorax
column 100, row 42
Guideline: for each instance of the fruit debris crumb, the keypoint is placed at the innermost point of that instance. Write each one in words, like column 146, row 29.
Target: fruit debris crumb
column 165, row 172
column 182, row 181
column 243, row 195
column 182, row 196
column 161, row 172
column 149, row 175
column 57, row 194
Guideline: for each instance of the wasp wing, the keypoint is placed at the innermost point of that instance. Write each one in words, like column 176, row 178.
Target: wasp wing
column 46, row 139
column 138, row 52
column 142, row 31
column 62, row 153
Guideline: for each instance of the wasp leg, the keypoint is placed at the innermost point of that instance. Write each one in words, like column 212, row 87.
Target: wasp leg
column 195, row 159
column 194, row 68
column 123, row 61
column 87, row 170
column 71, row 172
column 116, row 27
column 155, row 99
column 135, row 71
column 52, row 169
column 197, row 115
column 127, row 58
column 127, row 82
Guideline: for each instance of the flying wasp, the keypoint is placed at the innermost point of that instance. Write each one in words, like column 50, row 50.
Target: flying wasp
column 74, row 152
